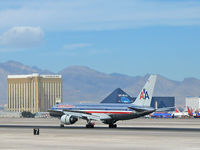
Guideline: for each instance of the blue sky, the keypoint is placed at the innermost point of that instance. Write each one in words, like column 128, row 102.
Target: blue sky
column 133, row 37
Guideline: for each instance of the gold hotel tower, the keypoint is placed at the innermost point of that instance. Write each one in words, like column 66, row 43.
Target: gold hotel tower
column 34, row 93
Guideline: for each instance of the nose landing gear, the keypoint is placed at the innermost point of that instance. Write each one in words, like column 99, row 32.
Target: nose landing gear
column 112, row 125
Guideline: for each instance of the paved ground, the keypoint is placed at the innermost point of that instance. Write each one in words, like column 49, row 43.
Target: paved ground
column 141, row 134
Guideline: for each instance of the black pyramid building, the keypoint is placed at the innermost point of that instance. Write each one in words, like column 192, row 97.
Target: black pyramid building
column 118, row 96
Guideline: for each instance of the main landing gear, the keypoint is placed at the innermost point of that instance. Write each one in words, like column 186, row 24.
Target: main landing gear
column 62, row 125
column 90, row 125
column 112, row 125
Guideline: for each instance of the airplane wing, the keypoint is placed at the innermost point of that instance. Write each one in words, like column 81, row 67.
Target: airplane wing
column 80, row 114
column 55, row 113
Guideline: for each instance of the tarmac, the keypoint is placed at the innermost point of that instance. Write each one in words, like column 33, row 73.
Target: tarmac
column 137, row 134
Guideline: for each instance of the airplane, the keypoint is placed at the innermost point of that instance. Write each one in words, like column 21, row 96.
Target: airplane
column 160, row 115
column 179, row 114
column 192, row 113
column 108, row 113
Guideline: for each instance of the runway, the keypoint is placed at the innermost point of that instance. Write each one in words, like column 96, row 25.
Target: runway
column 103, row 128
column 141, row 134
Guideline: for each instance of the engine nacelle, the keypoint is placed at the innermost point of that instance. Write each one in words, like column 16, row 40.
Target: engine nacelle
column 68, row 119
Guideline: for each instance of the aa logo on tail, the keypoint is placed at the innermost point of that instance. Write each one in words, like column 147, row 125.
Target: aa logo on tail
column 144, row 95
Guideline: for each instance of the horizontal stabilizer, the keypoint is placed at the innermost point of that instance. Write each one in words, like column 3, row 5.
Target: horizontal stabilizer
column 137, row 109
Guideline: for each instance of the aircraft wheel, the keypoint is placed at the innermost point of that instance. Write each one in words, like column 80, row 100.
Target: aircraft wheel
column 62, row 126
column 89, row 126
column 112, row 125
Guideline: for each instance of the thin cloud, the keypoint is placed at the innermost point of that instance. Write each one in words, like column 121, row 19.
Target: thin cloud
column 99, row 14
column 22, row 37
column 5, row 50
column 76, row 46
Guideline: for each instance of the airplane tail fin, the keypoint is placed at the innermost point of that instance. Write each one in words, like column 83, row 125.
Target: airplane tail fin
column 177, row 110
column 145, row 96
column 192, row 110
column 189, row 111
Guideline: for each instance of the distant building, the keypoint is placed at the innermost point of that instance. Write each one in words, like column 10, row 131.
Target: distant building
column 162, row 102
column 193, row 102
column 34, row 92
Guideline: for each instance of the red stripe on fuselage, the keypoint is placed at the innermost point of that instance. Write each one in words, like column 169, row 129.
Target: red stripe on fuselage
column 108, row 112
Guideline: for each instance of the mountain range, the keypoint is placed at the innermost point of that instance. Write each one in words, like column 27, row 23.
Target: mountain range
column 83, row 84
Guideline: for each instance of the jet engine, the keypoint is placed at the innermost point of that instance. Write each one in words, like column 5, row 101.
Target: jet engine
column 68, row 119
